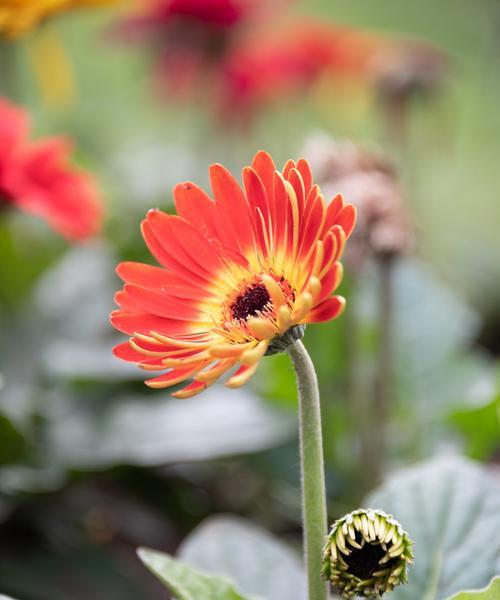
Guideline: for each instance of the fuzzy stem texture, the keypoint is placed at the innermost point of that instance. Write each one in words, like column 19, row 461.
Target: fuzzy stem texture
column 312, row 469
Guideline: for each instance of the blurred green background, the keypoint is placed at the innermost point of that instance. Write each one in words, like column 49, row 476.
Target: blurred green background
column 92, row 463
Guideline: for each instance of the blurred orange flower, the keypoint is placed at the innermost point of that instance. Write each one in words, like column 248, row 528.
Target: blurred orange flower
column 36, row 176
column 17, row 17
column 239, row 275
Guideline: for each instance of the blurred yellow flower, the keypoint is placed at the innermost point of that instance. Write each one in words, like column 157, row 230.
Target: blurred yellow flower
column 17, row 17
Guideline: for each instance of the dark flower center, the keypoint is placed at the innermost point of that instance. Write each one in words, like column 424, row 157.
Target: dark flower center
column 254, row 299
column 363, row 563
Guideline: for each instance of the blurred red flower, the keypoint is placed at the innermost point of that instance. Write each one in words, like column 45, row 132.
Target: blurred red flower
column 190, row 36
column 274, row 65
column 37, row 177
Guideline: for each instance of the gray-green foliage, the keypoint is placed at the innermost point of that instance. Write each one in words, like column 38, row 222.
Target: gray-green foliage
column 259, row 563
column 492, row 592
column 451, row 509
column 186, row 582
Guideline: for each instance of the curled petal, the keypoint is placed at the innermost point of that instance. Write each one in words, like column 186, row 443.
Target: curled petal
column 174, row 376
column 190, row 390
column 242, row 375
column 329, row 309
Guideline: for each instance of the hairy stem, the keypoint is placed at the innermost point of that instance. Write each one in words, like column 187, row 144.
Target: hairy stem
column 312, row 469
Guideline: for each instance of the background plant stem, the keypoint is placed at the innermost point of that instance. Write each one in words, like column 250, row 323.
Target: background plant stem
column 383, row 378
column 314, row 516
column 8, row 70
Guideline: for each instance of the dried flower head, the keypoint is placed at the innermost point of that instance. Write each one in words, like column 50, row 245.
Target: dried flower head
column 417, row 67
column 369, row 179
column 240, row 275
column 366, row 554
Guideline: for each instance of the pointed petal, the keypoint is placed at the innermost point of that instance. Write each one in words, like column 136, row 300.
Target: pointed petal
column 264, row 167
column 231, row 201
column 194, row 205
column 305, row 170
column 147, row 275
column 347, row 219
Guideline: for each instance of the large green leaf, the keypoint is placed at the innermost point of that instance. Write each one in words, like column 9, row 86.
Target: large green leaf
column 259, row 563
column 163, row 430
column 187, row 583
column 492, row 592
column 451, row 509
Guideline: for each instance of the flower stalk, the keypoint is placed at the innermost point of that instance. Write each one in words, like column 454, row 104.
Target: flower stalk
column 314, row 515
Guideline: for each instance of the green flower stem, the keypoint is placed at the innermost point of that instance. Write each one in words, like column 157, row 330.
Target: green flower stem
column 312, row 469
column 9, row 83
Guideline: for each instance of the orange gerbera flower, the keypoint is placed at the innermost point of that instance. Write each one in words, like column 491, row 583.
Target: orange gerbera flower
column 240, row 275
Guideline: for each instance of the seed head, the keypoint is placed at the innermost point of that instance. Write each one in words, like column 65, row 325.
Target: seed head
column 366, row 554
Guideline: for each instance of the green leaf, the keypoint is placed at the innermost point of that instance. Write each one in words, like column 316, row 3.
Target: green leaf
column 480, row 427
column 185, row 582
column 451, row 509
column 492, row 592
column 258, row 562
column 13, row 446
column 162, row 430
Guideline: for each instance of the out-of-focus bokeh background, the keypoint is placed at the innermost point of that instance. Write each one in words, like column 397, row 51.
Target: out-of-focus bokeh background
column 402, row 105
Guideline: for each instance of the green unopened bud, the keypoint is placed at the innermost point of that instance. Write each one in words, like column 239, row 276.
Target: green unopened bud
column 366, row 554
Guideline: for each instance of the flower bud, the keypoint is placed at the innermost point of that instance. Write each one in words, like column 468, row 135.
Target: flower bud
column 366, row 554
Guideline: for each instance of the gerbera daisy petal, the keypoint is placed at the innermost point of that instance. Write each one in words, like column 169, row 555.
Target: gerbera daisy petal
column 346, row 219
column 264, row 167
column 190, row 390
column 257, row 195
column 145, row 322
column 141, row 274
column 252, row 356
column 185, row 243
column 295, row 179
column 281, row 210
column 126, row 352
column 125, row 302
column 331, row 281
column 333, row 210
column 175, row 376
column 162, row 305
column 232, row 202
column 329, row 309
column 261, row 328
column 242, row 375
column 238, row 274
column 194, row 205
column 289, row 165
column 305, row 170
column 215, row 371
column 229, row 350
